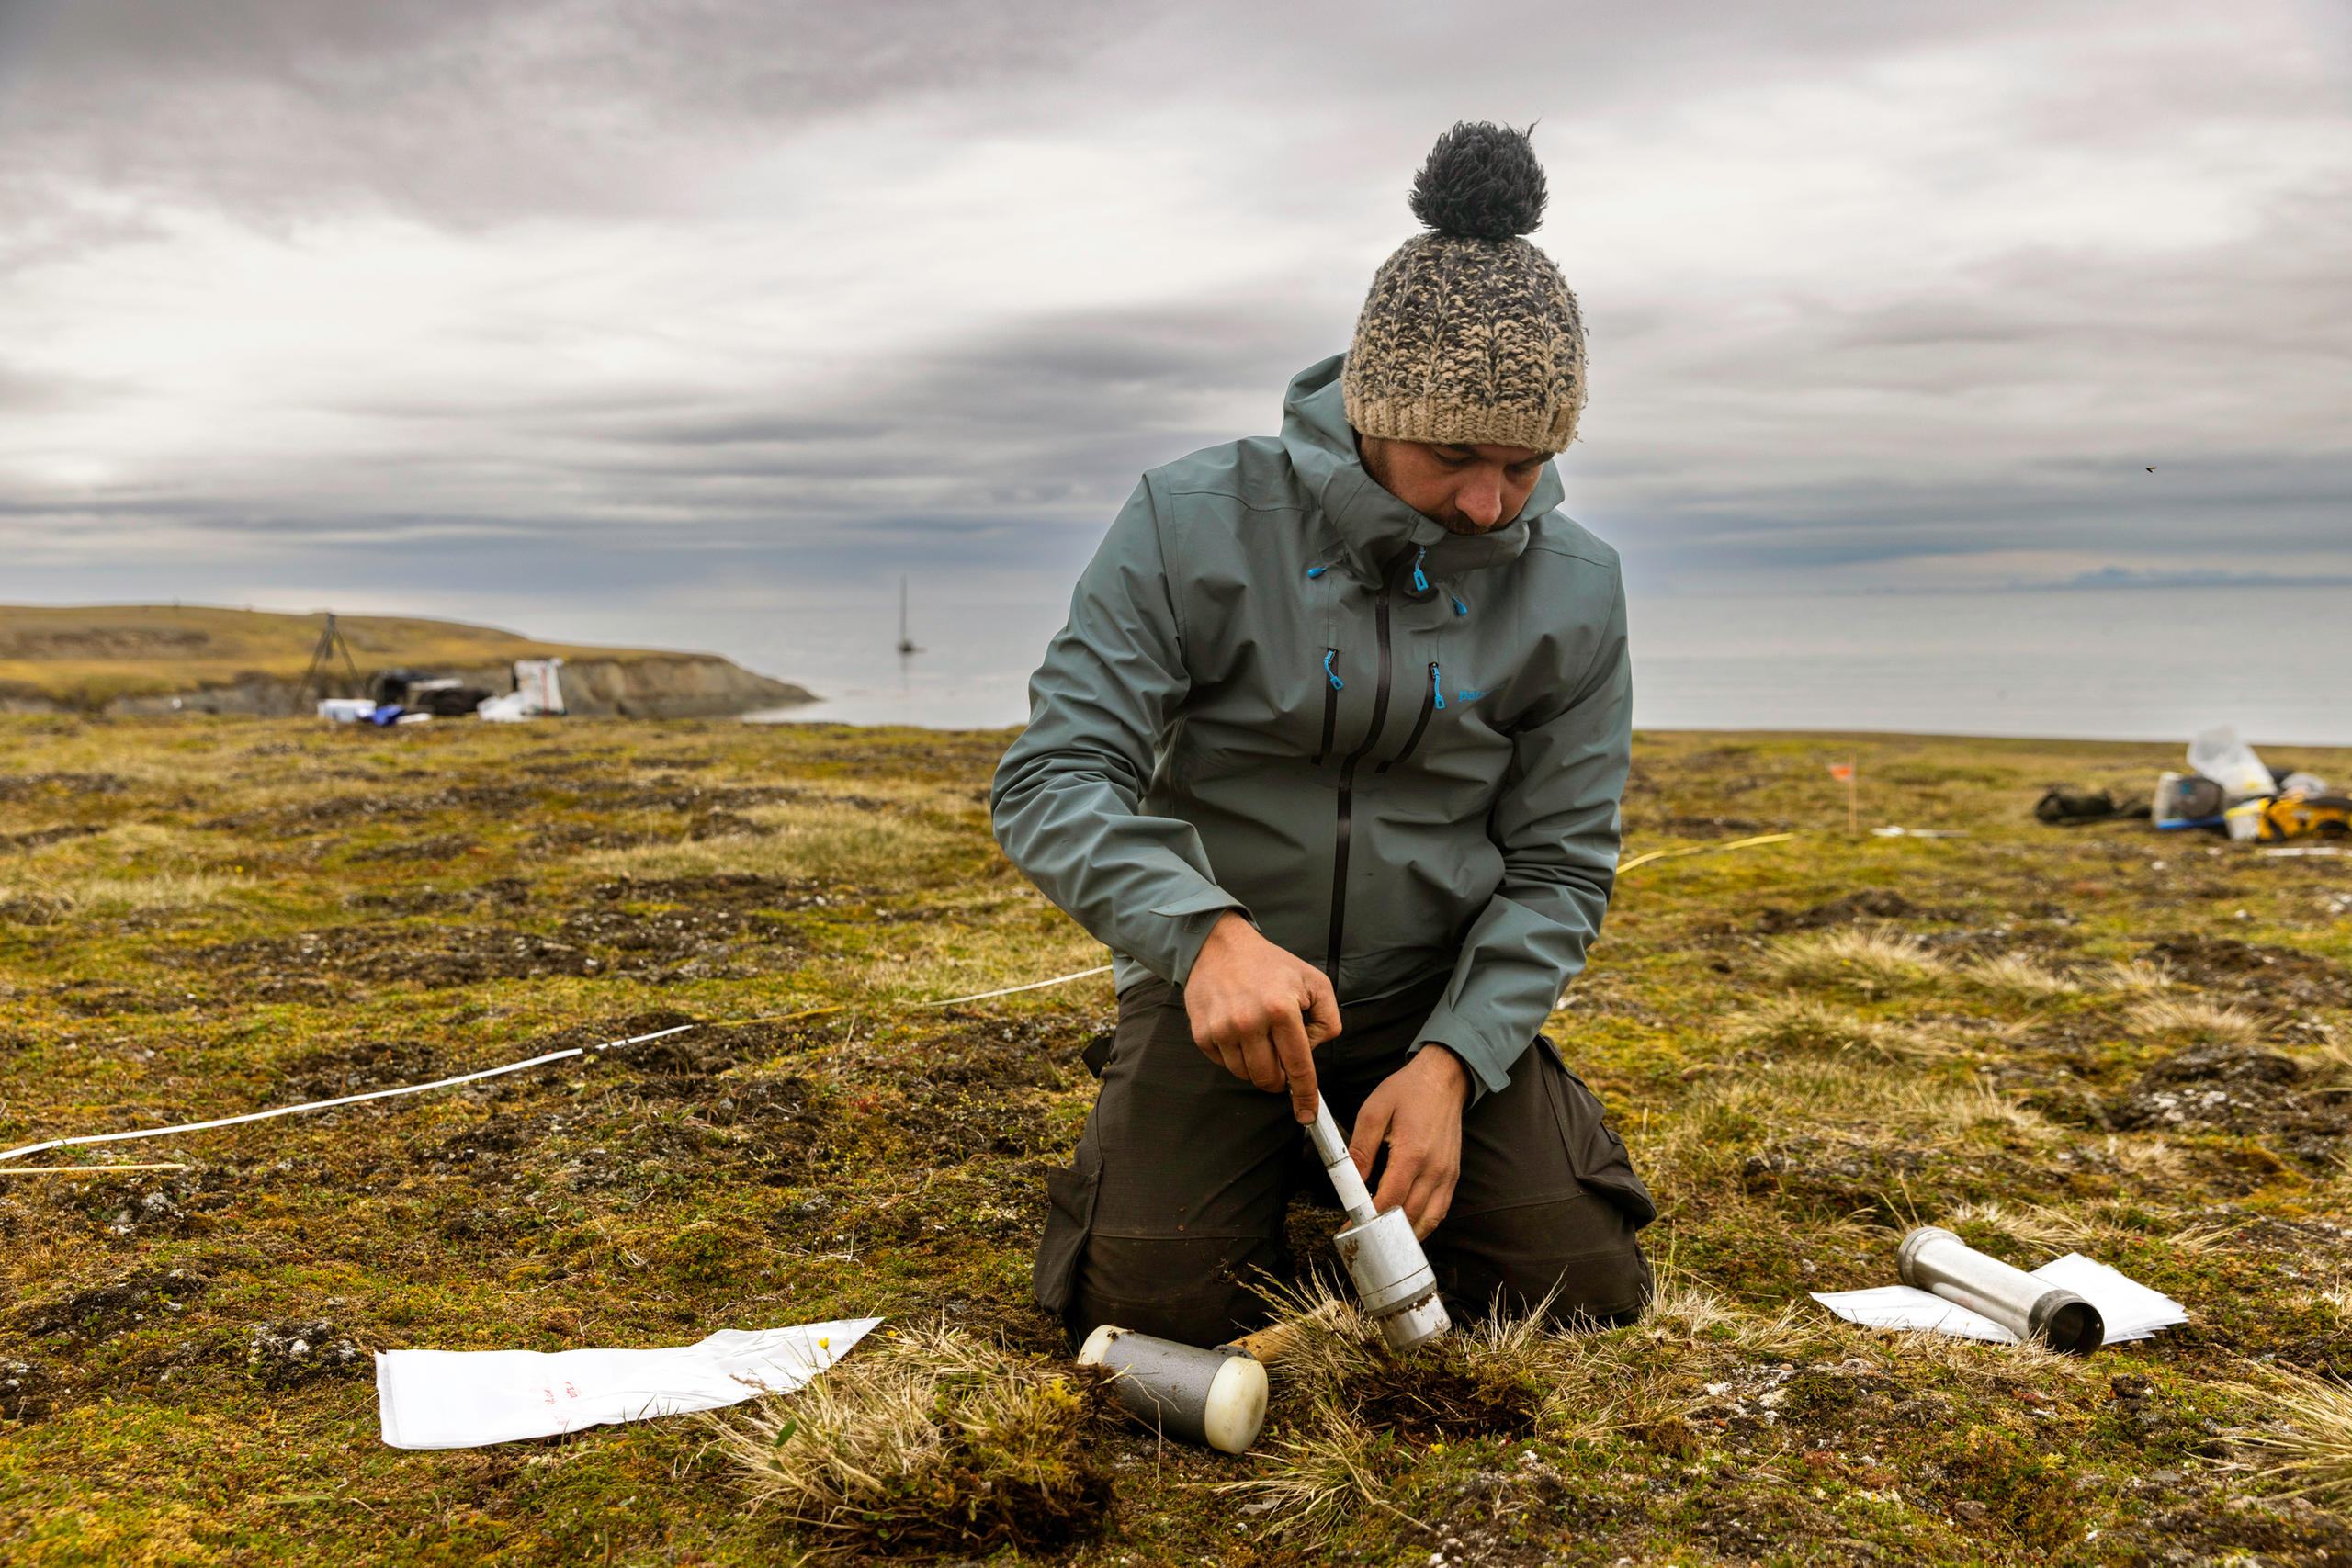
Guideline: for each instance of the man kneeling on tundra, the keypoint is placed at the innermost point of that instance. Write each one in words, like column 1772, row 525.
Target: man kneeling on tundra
column 1330, row 756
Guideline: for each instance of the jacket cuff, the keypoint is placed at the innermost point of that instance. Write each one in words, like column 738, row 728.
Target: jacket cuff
column 1488, row 1059
column 1193, row 918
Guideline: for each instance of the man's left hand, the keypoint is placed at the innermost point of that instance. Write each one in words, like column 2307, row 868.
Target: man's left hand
column 1417, row 1111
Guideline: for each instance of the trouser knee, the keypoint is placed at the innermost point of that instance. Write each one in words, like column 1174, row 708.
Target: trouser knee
column 1578, row 1258
column 1195, row 1291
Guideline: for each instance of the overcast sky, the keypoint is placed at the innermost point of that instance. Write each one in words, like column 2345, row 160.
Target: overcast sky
column 379, row 298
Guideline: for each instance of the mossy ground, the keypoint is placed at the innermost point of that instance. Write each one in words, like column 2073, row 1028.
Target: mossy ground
column 206, row 917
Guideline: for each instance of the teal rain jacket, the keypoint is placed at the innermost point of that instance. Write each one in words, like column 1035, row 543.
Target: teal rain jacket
column 1398, row 749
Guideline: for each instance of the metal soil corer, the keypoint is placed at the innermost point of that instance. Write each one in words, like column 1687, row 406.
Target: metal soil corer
column 1935, row 1260
column 1395, row 1285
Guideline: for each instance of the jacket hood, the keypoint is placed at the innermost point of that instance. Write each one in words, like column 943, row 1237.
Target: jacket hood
column 1376, row 528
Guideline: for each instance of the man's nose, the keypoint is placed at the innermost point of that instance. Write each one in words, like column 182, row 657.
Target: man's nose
column 1480, row 500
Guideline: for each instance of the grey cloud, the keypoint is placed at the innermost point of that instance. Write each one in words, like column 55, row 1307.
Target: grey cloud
column 474, row 112
column 1984, row 410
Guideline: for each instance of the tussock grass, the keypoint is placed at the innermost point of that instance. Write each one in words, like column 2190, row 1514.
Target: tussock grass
column 2082, row 1228
column 1313, row 1480
column 931, row 1441
column 1871, row 1101
column 822, row 842
column 2018, row 978
column 2130, row 978
column 1869, row 960
column 2311, row 1450
column 1795, row 1024
column 2195, row 1022
column 34, row 900
column 130, row 868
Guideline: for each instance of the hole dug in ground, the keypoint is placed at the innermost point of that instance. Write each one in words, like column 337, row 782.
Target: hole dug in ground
column 1440, row 1395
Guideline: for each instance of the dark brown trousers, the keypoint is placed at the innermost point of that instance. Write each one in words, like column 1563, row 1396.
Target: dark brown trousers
column 1181, row 1189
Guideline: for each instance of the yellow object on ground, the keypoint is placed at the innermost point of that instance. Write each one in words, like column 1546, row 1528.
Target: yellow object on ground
column 2301, row 817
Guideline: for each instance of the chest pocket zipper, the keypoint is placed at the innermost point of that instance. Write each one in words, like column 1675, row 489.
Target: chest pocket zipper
column 1331, row 689
column 1431, row 700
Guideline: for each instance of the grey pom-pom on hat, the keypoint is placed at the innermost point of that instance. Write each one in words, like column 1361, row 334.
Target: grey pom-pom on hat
column 1470, row 335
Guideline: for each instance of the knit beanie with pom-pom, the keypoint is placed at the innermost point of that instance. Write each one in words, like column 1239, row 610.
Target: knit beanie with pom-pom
column 1470, row 335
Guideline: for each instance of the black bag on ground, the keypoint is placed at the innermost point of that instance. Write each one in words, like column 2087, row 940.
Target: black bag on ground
column 2061, row 806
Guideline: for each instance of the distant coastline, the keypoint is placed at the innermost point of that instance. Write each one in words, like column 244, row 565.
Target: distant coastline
column 156, row 659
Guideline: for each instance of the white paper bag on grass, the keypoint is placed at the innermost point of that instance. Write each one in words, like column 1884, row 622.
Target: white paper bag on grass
column 2129, row 1308
column 463, row 1399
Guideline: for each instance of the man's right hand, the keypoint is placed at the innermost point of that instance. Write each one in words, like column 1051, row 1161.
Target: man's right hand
column 1259, row 1012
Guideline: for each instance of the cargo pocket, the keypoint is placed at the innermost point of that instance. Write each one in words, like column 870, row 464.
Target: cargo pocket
column 1070, row 1192
column 1597, row 1154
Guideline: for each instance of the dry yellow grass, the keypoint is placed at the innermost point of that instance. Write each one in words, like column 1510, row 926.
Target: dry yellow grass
column 1795, row 1024
column 822, row 843
column 2082, row 1228
column 2311, row 1449
column 2014, row 975
column 1866, row 960
column 927, row 1441
column 133, row 868
column 2200, row 1023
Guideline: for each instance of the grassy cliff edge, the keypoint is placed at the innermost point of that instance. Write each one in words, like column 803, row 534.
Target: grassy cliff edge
column 138, row 658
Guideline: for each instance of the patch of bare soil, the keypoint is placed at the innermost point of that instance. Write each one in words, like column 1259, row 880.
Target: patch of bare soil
column 96, row 999
column 29, row 1390
column 1035, row 1050
column 1866, row 904
column 2237, row 1089
column 957, row 1102
column 764, row 1130
column 2257, row 974
column 1437, row 1397
column 33, row 786
column 569, row 838
column 669, row 945
column 106, row 1310
column 41, row 837
column 438, row 847
column 949, row 1126
column 503, row 890
column 282, row 1354
column 355, row 1069
column 780, row 893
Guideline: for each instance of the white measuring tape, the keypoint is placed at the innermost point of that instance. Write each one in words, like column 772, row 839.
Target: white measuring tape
column 462, row 1077
column 1033, row 985
column 346, row 1100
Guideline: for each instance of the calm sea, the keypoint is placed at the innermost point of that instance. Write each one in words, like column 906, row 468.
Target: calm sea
column 2113, row 663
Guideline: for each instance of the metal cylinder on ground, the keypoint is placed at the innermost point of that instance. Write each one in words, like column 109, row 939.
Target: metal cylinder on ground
column 1935, row 1260
column 1216, row 1397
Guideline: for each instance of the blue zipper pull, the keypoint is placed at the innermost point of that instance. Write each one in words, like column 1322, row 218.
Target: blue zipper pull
column 1437, row 686
column 1329, row 655
column 1316, row 570
column 1459, row 607
column 1420, row 579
